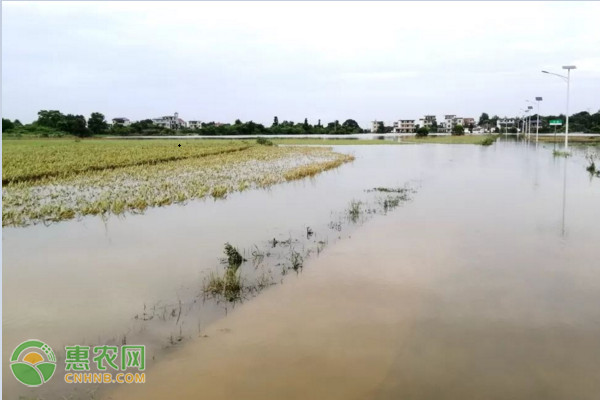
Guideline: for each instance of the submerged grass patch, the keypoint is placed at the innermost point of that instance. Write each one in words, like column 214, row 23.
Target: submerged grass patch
column 591, row 168
column 559, row 153
column 316, row 168
column 489, row 140
column 463, row 139
column 134, row 188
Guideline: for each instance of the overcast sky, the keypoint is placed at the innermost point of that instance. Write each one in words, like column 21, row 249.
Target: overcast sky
column 338, row 60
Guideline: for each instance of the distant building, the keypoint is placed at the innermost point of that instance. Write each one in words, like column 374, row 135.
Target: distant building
column 428, row 121
column 375, row 125
column 194, row 124
column 170, row 122
column 404, row 126
column 449, row 122
column 506, row 123
column 468, row 122
column 121, row 121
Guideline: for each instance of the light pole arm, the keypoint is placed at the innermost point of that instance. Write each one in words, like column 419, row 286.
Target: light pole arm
column 566, row 79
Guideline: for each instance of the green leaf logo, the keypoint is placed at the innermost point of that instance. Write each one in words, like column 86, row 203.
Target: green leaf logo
column 33, row 363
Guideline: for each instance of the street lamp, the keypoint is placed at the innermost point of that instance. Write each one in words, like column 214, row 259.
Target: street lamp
column 529, row 108
column 568, row 80
column 537, row 124
column 524, row 124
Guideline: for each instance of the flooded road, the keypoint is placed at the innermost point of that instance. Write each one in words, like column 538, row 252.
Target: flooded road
column 486, row 285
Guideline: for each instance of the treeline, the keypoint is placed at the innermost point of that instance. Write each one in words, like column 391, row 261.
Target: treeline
column 579, row 122
column 55, row 123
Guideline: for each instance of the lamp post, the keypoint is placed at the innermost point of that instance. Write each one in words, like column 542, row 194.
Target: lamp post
column 524, row 124
column 529, row 108
column 568, row 80
column 537, row 124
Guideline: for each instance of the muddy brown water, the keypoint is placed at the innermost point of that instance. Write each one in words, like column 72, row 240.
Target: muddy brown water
column 486, row 285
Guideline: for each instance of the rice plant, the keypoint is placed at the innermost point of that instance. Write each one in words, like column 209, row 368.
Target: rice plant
column 135, row 184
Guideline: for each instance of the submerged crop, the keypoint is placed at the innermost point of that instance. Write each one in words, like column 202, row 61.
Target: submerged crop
column 217, row 171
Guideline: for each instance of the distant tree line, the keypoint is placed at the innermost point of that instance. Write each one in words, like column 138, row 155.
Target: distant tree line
column 54, row 123
column 579, row 122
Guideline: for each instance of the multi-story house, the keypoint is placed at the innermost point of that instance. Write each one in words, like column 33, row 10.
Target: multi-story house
column 170, row 121
column 449, row 123
column 404, row 126
column 194, row 124
column 506, row 123
column 121, row 121
column 375, row 125
column 468, row 122
column 428, row 121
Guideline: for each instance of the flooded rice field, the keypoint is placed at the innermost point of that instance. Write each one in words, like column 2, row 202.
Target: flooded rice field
column 414, row 272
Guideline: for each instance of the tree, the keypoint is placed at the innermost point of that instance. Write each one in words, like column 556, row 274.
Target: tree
column 471, row 127
column 422, row 132
column 305, row 125
column 458, row 130
column 97, row 124
column 275, row 121
column 7, row 125
column 74, row 124
column 50, row 118
column 380, row 127
column 434, row 127
column 483, row 119
column 351, row 126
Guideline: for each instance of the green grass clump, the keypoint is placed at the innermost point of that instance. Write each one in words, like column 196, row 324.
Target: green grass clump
column 489, row 140
column 219, row 192
column 591, row 168
column 558, row 153
column 296, row 260
column 354, row 210
column 234, row 258
column 264, row 141
column 229, row 285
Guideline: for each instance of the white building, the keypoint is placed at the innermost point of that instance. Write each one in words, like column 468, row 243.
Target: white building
column 506, row 123
column 170, row 122
column 449, row 123
column 427, row 121
column 375, row 125
column 404, row 126
column 194, row 124
column 121, row 121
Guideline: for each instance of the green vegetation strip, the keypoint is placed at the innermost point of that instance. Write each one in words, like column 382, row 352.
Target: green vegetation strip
column 485, row 140
column 214, row 170
column 338, row 142
column 589, row 140
column 466, row 139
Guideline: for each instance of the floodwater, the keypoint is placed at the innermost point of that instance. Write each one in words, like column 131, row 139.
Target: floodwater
column 485, row 285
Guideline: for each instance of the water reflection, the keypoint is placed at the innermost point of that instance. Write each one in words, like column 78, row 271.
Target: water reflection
column 564, row 196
